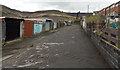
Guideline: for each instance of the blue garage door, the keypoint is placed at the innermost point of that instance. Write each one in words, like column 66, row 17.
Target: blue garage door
column 37, row 28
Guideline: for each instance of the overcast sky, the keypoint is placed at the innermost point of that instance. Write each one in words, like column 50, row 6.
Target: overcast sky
column 63, row 5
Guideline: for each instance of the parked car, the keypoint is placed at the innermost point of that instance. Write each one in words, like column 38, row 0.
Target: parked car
column 69, row 23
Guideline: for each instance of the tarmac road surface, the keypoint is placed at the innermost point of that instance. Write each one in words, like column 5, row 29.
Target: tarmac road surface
column 67, row 47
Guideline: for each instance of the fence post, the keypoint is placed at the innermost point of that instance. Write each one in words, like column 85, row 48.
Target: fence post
column 119, row 47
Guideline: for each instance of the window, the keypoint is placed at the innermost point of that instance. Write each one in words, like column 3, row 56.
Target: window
column 119, row 3
column 116, row 5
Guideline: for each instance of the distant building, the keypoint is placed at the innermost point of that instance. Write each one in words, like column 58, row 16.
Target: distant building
column 81, row 14
column 95, row 12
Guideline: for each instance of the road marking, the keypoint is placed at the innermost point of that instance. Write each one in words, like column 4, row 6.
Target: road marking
column 47, row 65
column 73, row 37
column 20, row 54
column 31, row 56
column 53, row 43
column 4, row 58
column 30, row 64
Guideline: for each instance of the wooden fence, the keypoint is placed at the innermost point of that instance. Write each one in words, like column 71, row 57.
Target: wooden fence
column 95, row 26
column 108, row 44
column 111, row 36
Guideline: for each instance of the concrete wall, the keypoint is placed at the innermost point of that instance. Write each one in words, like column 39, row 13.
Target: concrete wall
column 55, row 25
column 0, row 32
column 21, row 29
column 0, row 44
column 47, row 26
column 3, row 31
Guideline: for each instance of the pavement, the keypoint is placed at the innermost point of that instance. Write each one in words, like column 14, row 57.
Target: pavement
column 67, row 47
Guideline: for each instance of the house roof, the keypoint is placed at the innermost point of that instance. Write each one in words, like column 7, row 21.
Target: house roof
column 35, row 19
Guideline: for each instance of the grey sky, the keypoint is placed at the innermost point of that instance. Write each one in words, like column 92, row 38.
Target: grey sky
column 63, row 5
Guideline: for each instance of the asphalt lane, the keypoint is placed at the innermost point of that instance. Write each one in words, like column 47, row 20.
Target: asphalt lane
column 67, row 47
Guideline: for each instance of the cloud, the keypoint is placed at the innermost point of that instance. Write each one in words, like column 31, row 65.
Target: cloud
column 63, row 5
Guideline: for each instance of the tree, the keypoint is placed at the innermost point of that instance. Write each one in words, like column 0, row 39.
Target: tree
column 96, row 22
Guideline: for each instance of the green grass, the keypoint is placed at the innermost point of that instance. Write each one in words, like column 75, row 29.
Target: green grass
column 118, row 46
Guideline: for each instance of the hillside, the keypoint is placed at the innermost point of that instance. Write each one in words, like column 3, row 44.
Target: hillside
column 53, row 14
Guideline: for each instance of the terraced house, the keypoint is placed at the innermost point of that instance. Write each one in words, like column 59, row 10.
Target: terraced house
column 112, row 12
